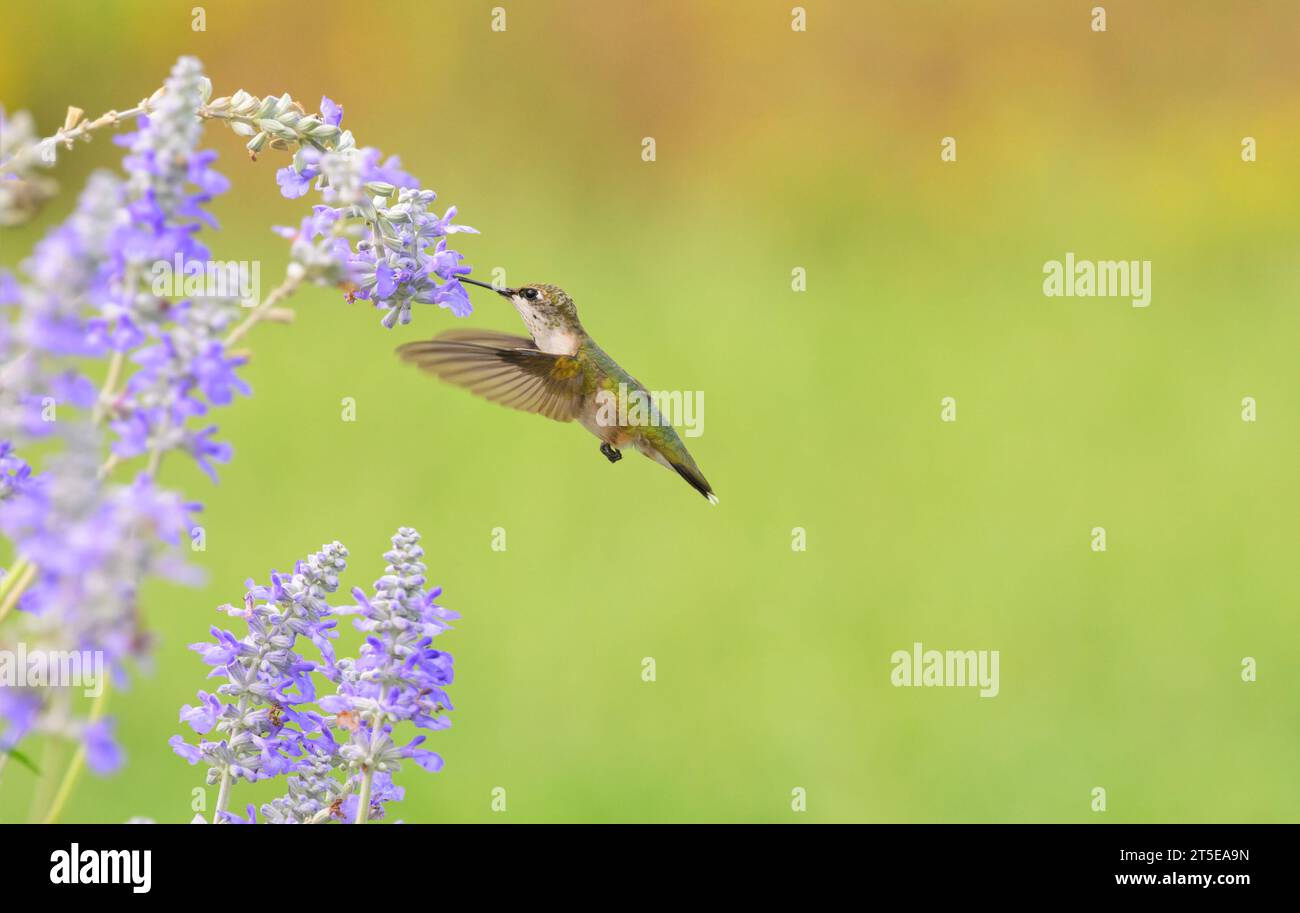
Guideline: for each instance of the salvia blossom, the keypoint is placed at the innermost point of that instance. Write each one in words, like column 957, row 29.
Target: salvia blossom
column 84, row 543
column 394, row 251
column 339, row 758
column 83, row 305
column 15, row 475
column 184, row 366
column 179, row 375
column 88, row 547
column 405, row 255
column 320, row 252
column 56, row 319
column 267, row 680
column 399, row 677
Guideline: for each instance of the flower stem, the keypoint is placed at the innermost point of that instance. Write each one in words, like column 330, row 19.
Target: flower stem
column 368, row 773
column 20, row 584
column 109, row 466
column 156, row 451
column 278, row 294
column 8, row 580
column 223, row 796
column 227, row 778
column 155, row 454
column 110, row 118
column 51, row 760
column 78, row 762
column 363, row 797
column 110, row 382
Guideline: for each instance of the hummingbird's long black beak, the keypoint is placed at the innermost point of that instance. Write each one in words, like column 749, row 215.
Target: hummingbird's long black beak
column 503, row 292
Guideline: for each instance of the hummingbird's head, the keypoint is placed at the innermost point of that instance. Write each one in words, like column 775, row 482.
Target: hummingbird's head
column 547, row 301
column 547, row 311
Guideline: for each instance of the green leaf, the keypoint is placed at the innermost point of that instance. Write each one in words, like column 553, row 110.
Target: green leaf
column 21, row 759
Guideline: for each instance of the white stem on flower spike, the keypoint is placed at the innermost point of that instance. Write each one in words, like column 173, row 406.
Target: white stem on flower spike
column 66, row 137
column 286, row 288
column 363, row 797
column 368, row 773
column 227, row 778
column 223, row 795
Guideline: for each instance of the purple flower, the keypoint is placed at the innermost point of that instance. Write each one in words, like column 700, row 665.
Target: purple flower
column 70, row 387
column 16, row 476
column 398, row 676
column 382, row 791
column 385, row 281
column 10, row 291
column 201, row 174
column 232, row 818
column 404, row 260
column 20, row 708
column 388, row 172
column 330, row 112
column 89, row 291
column 90, row 546
column 187, row 369
column 214, row 374
column 189, row 752
column 103, row 756
column 203, row 717
column 294, row 184
column 260, row 721
column 205, row 450
column 320, row 221
column 429, row 760
column 265, row 677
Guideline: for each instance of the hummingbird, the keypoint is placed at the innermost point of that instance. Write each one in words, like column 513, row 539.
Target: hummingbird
column 557, row 371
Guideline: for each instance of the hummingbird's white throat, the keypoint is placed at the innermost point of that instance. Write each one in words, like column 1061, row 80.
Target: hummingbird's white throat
column 550, row 336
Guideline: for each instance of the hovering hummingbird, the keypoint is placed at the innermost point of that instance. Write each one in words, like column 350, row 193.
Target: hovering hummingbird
column 559, row 372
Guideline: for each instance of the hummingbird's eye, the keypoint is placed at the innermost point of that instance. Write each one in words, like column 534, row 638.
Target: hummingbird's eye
column 530, row 294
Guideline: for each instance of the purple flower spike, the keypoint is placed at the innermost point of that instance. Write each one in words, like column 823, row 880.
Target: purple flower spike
column 258, row 733
column 127, row 280
column 259, row 723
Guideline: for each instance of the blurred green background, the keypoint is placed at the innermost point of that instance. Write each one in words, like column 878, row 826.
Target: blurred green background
column 778, row 150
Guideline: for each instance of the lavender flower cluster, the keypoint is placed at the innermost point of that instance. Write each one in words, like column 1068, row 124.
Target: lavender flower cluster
column 83, row 305
column 83, row 543
column 405, row 254
column 260, row 723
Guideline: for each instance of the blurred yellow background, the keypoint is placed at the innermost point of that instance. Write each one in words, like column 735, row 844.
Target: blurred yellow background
column 777, row 150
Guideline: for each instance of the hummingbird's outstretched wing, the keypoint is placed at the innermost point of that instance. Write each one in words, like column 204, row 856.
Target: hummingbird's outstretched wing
column 506, row 369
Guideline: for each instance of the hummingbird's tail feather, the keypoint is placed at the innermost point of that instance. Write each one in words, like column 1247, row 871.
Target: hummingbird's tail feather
column 696, row 480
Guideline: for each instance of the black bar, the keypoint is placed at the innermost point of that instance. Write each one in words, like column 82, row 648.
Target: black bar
column 991, row 860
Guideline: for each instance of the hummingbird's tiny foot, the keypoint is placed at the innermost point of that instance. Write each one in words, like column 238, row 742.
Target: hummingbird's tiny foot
column 611, row 453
